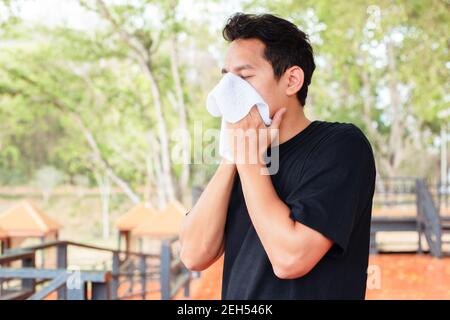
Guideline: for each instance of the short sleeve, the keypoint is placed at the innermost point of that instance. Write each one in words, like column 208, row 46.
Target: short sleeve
column 332, row 185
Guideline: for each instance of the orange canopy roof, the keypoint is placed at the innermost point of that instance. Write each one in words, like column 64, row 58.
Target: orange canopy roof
column 165, row 223
column 25, row 220
column 135, row 216
column 175, row 206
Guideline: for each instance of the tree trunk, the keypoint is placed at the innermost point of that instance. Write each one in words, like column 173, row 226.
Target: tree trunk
column 396, row 142
column 182, row 112
column 97, row 155
column 142, row 55
column 104, row 184
column 167, row 179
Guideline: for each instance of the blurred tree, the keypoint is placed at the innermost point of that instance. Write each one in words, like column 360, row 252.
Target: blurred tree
column 110, row 100
column 47, row 178
column 105, row 85
column 382, row 66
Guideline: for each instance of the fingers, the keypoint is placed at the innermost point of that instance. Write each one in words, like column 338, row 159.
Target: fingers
column 254, row 114
column 256, row 118
column 277, row 118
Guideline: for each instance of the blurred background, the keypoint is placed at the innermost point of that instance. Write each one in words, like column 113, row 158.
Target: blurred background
column 92, row 94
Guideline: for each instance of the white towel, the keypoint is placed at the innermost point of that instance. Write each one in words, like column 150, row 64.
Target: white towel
column 232, row 98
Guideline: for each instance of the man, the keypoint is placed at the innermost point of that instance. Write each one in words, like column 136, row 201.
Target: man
column 303, row 232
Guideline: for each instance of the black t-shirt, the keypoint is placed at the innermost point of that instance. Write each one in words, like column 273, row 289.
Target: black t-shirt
column 326, row 176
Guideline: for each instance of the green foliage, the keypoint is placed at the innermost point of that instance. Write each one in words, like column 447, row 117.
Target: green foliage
column 54, row 78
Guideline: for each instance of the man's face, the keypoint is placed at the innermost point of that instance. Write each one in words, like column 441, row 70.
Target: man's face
column 245, row 59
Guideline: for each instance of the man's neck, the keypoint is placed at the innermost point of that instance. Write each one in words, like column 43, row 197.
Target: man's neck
column 294, row 121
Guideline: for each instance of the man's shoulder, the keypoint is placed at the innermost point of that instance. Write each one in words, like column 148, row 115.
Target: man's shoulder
column 342, row 132
column 336, row 127
column 342, row 138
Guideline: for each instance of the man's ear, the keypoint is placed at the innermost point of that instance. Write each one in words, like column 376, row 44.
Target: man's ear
column 295, row 78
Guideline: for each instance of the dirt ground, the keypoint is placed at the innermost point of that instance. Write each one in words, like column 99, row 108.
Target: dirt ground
column 392, row 276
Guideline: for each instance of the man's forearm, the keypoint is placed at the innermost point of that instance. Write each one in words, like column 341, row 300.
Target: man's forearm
column 269, row 214
column 202, row 230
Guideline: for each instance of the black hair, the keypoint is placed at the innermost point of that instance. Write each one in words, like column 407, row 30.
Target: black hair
column 286, row 45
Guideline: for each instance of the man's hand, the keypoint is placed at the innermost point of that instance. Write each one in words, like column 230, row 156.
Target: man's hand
column 249, row 138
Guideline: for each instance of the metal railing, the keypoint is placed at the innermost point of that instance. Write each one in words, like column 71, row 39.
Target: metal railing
column 428, row 218
column 133, row 268
column 395, row 191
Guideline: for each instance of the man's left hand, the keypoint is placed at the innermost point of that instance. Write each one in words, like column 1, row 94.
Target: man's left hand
column 250, row 137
